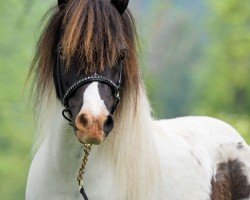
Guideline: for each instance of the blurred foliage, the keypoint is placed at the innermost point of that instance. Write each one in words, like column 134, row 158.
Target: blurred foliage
column 17, row 40
column 227, row 61
column 223, row 73
column 195, row 57
column 199, row 61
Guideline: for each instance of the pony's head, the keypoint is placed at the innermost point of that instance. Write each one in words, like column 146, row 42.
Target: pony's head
column 87, row 55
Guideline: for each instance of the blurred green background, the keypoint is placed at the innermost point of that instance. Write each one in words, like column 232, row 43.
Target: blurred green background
column 195, row 58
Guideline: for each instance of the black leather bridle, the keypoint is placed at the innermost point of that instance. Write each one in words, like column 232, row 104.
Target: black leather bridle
column 65, row 95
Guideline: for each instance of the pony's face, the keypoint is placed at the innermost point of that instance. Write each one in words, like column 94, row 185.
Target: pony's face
column 87, row 38
column 93, row 42
column 92, row 104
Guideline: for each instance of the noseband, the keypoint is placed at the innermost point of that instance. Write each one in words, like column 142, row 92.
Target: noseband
column 65, row 95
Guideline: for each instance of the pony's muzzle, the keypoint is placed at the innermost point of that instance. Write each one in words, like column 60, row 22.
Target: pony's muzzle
column 93, row 129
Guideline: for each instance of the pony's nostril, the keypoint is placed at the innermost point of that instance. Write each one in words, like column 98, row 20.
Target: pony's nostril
column 83, row 119
column 108, row 125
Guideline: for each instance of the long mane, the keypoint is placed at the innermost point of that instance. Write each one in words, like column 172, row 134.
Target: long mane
column 93, row 32
column 96, row 34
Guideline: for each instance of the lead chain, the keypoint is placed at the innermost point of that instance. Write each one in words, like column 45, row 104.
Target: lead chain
column 87, row 149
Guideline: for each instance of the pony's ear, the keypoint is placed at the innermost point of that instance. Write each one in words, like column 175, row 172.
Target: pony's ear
column 61, row 3
column 121, row 5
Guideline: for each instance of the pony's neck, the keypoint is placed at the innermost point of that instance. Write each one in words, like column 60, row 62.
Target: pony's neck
column 128, row 152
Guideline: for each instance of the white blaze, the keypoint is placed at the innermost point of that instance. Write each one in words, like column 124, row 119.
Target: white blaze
column 92, row 101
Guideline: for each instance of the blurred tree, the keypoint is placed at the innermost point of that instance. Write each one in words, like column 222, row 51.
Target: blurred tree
column 175, row 41
column 224, row 78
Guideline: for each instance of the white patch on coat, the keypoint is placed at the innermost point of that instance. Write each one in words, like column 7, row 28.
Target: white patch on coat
column 92, row 101
column 175, row 158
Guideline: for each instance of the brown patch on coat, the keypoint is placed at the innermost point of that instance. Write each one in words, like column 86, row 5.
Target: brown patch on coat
column 230, row 183
column 240, row 146
column 221, row 184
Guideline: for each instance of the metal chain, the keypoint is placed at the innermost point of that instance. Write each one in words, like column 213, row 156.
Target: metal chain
column 87, row 149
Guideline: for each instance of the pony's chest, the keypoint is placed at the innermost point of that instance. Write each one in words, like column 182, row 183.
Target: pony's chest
column 100, row 184
column 50, row 181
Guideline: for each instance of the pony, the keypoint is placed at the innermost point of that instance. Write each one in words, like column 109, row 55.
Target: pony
column 87, row 65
